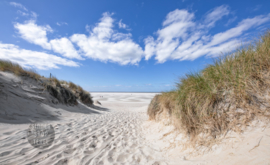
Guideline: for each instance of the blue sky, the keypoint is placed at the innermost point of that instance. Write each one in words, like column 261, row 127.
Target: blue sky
column 126, row 45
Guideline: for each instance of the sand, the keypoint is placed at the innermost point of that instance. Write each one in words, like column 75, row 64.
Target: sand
column 115, row 132
column 102, row 134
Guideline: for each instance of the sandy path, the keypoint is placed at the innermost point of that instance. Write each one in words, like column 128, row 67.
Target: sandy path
column 116, row 132
column 110, row 134
column 109, row 138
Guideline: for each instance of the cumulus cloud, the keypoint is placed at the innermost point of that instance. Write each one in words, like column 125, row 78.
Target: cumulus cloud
column 182, row 38
column 106, row 44
column 64, row 47
column 175, row 28
column 29, row 58
column 35, row 34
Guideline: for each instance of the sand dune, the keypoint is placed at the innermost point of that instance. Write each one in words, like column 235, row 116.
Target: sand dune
column 108, row 134
column 115, row 132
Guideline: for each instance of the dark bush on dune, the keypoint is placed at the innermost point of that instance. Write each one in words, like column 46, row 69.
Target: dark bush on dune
column 63, row 95
column 86, row 98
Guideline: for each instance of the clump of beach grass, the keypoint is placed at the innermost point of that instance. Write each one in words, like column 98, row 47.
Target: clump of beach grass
column 17, row 69
column 226, row 95
column 65, row 92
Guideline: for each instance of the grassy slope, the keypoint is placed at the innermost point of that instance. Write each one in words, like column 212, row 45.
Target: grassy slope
column 56, row 88
column 224, row 96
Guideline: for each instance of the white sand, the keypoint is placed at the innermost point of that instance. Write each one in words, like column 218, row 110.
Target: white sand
column 107, row 134
column 250, row 148
column 116, row 132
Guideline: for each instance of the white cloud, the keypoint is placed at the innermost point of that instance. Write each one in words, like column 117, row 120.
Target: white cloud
column 61, row 23
column 105, row 44
column 231, row 21
column 34, row 34
column 239, row 29
column 25, row 13
column 22, row 13
column 175, row 28
column 178, row 16
column 150, row 47
column 34, row 15
column 29, row 58
column 87, row 27
column 215, row 15
column 122, row 25
column 64, row 47
column 181, row 38
column 15, row 4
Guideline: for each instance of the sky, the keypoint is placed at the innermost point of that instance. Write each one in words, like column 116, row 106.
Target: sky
column 126, row 45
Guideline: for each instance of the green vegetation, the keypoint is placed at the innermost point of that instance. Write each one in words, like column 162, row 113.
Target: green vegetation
column 226, row 95
column 65, row 92
column 17, row 69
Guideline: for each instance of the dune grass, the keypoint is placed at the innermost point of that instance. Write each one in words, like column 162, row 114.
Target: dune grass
column 52, row 83
column 17, row 69
column 226, row 95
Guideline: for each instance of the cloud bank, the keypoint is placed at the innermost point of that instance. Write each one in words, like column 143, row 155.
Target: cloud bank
column 181, row 37
column 29, row 58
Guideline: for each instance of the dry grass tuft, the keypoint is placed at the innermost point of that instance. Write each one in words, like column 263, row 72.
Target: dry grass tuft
column 56, row 88
column 55, row 81
column 72, row 85
column 226, row 95
column 18, row 70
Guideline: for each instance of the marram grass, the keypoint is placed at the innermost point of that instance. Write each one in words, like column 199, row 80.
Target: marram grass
column 224, row 96
column 9, row 66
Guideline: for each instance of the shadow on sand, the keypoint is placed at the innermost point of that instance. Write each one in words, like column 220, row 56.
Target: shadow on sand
column 99, row 108
column 45, row 112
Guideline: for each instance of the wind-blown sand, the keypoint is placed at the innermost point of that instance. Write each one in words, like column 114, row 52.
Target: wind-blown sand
column 115, row 132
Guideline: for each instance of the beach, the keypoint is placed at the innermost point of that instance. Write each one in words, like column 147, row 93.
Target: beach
column 114, row 130
column 109, row 133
